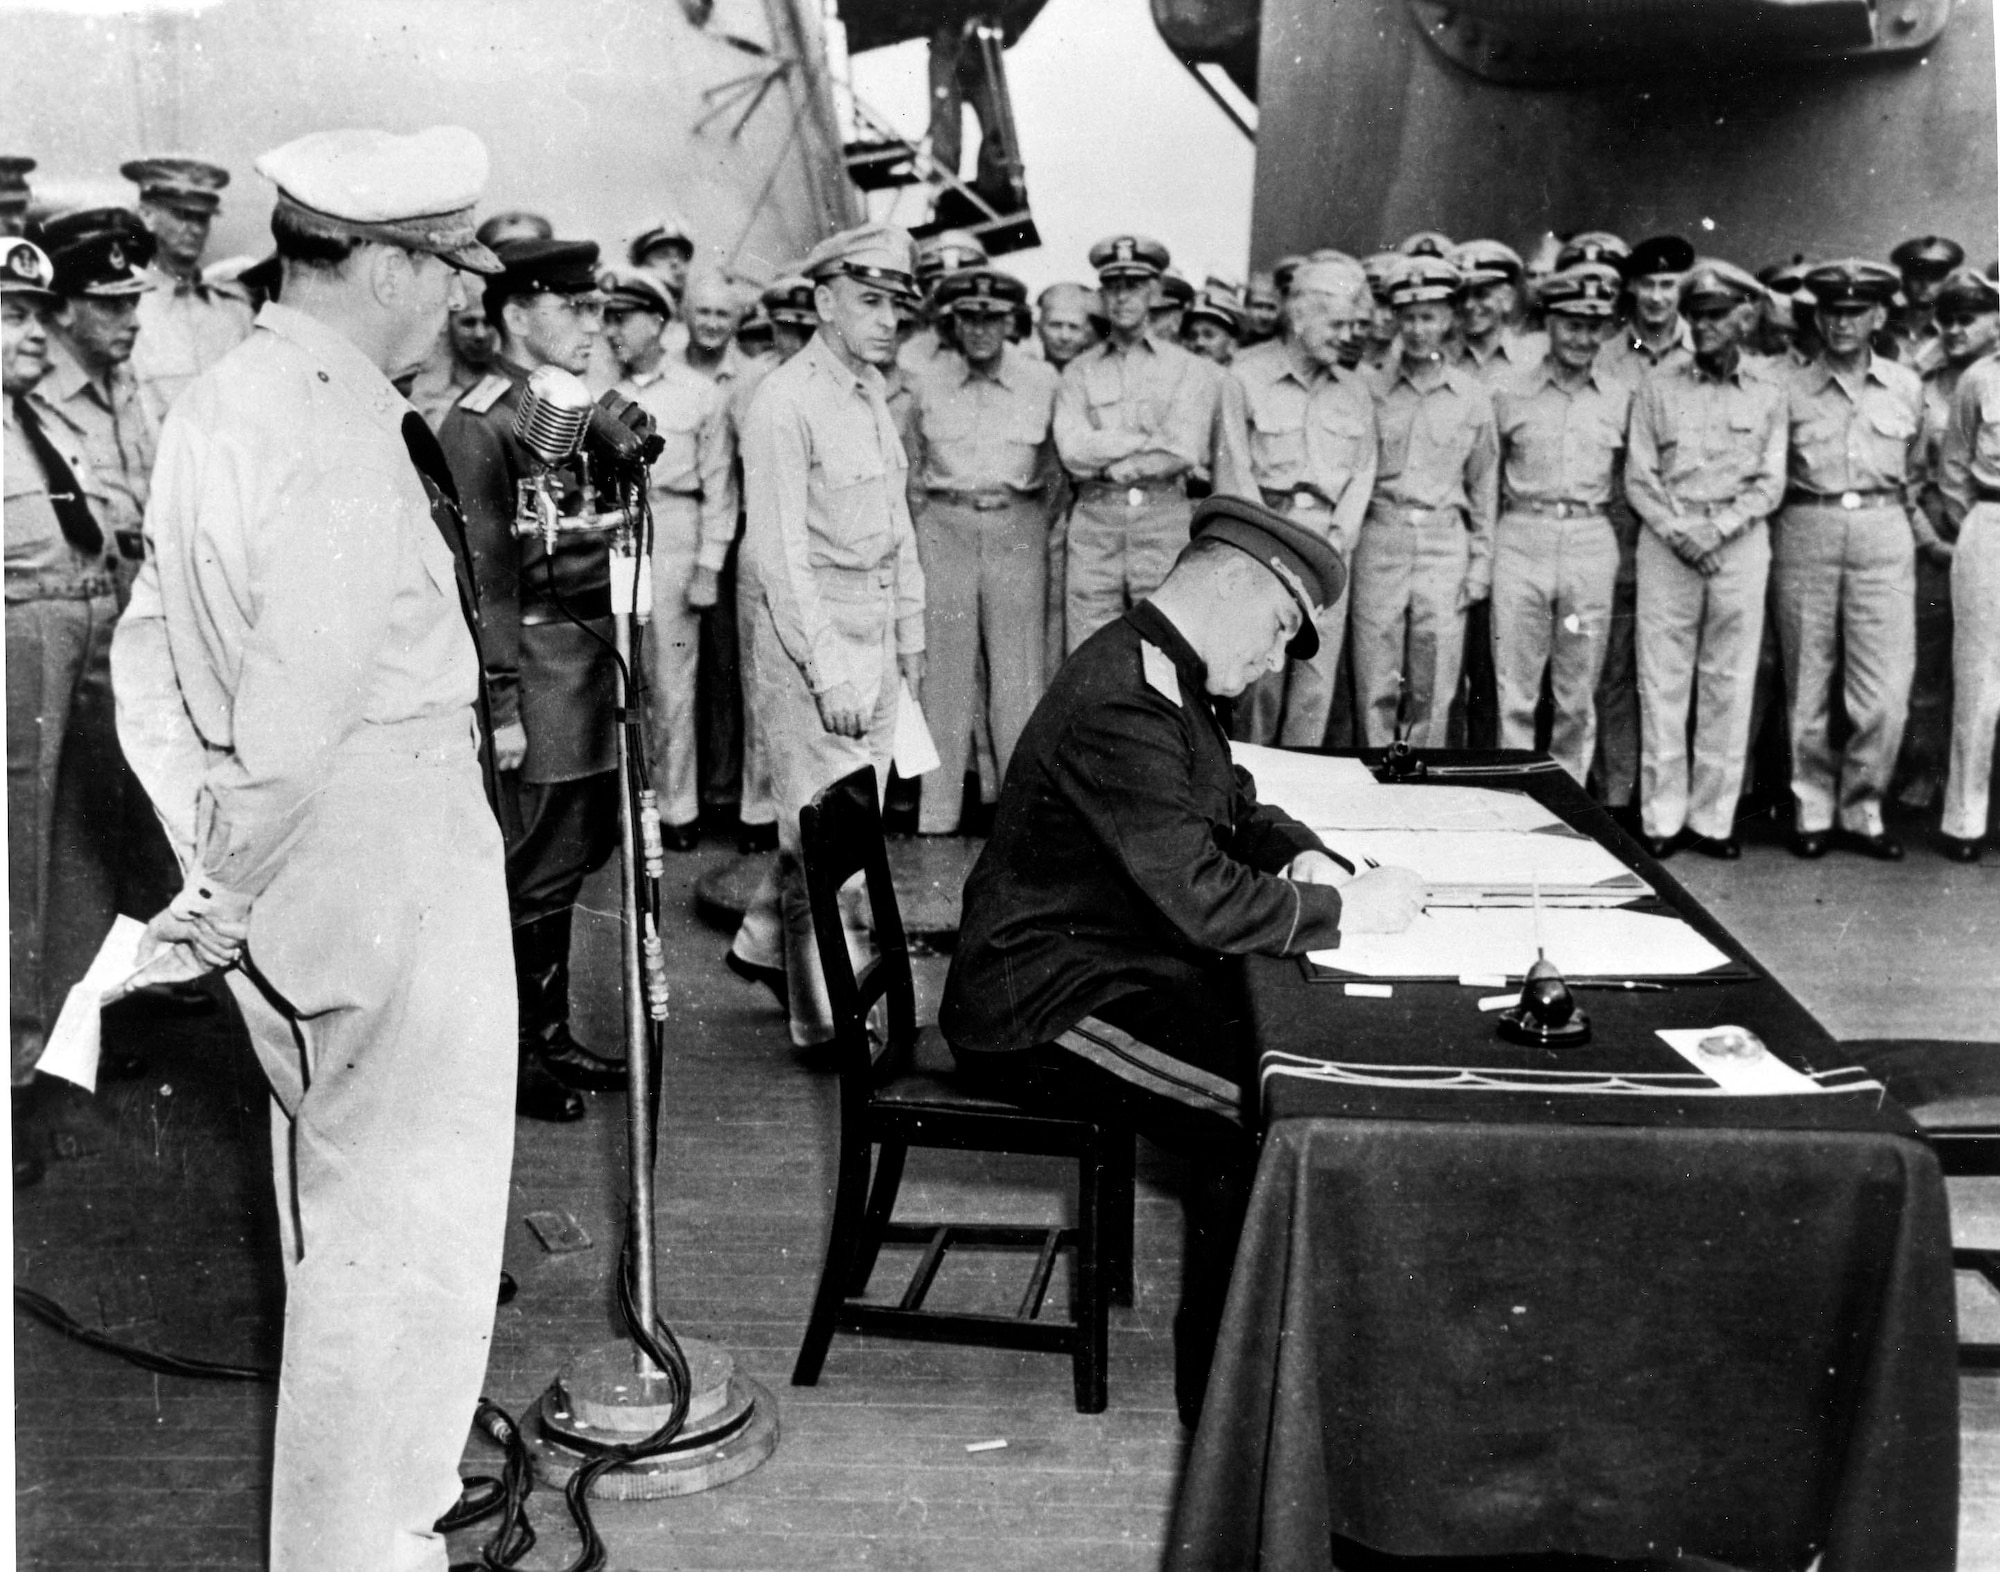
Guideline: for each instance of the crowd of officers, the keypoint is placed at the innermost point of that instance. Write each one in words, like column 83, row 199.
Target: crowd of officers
column 1618, row 501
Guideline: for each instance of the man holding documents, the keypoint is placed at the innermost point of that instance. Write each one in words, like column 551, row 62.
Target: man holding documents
column 1130, row 861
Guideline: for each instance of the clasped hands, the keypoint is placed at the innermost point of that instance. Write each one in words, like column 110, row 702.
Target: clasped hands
column 203, row 929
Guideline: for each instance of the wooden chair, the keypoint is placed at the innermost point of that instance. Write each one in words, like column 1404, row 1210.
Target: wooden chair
column 1952, row 1090
column 909, row 1094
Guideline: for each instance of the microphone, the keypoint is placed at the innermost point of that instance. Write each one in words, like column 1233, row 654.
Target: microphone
column 555, row 412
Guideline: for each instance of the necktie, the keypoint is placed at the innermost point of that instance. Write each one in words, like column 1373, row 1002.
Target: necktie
column 73, row 513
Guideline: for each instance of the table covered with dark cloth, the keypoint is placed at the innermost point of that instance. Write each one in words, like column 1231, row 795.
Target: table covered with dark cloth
column 1495, row 1300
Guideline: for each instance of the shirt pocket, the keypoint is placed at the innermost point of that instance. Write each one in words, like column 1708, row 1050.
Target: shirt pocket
column 1889, row 428
column 1277, row 440
column 679, row 464
column 850, row 484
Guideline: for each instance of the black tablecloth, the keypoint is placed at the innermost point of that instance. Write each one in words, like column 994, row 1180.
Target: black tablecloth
column 1495, row 1300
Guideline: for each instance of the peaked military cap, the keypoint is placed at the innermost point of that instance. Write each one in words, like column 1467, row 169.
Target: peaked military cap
column 635, row 289
column 1710, row 278
column 949, row 251
column 1299, row 558
column 414, row 191
column 1593, row 245
column 1853, row 282
column 671, row 230
column 1928, row 256
column 24, row 268
column 1969, row 290
column 14, row 172
column 790, row 299
column 1589, row 289
column 98, row 251
column 187, row 184
column 1659, row 254
column 1220, row 304
column 980, row 291
column 1378, row 268
column 1487, row 262
column 755, row 328
column 879, row 254
column 1171, row 289
column 1423, row 278
column 1129, row 256
column 544, row 267
column 514, row 224
column 1425, row 243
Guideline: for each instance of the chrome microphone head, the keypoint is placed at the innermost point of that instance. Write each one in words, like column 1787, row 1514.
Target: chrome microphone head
column 554, row 414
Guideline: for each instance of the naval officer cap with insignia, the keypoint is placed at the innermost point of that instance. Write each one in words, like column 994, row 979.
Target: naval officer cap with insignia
column 1587, row 289
column 1852, row 285
column 1711, row 282
column 99, row 252
column 1123, row 258
column 790, row 300
column 980, row 292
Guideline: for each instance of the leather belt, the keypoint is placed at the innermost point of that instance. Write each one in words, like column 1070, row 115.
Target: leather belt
column 34, row 585
column 591, row 605
column 1131, row 496
column 1405, row 513
column 1305, row 497
column 1806, row 497
column 1543, row 508
column 993, row 500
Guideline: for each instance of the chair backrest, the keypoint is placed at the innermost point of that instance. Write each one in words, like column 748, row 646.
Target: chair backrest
column 840, row 834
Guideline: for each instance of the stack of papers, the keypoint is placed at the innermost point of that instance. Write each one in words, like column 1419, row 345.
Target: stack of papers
column 1504, row 941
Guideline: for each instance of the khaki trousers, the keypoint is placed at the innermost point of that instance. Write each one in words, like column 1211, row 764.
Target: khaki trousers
column 1698, row 640
column 1927, row 734
column 1975, row 671
column 1846, row 595
column 1616, row 765
column 379, row 996
column 757, row 803
column 1409, row 633
column 1292, row 708
column 1118, row 553
column 673, row 650
column 1552, row 597
column 985, row 587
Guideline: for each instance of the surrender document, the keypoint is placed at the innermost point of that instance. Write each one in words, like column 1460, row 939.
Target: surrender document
column 1501, row 942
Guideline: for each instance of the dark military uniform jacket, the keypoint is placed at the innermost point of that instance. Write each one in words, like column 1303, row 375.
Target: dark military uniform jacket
column 542, row 670
column 1129, row 853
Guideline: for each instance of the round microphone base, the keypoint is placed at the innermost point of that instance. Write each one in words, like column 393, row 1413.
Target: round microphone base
column 1518, row 1025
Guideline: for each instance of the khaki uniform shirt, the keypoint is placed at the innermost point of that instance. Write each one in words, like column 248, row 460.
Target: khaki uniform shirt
column 1940, row 387
column 184, row 328
column 117, row 432
column 1301, row 428
column 1437, row 450
column 983, row 431
column 1557, row 443
column 699, row 459
column 824, row 481
column 40, row 561
column 1855, row 433
column 1971, row 450
column 1702, row 446
column 1627, row 356
column 1511, row 354
column 1154, row 402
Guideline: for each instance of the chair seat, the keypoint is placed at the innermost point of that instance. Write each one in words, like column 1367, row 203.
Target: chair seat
column 1944, row 1086
column 933, row 1080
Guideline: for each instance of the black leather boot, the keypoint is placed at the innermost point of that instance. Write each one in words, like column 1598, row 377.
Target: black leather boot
column 544, row 972
column 537, row 1093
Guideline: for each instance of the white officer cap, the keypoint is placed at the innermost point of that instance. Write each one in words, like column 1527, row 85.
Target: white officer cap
column 415, row 191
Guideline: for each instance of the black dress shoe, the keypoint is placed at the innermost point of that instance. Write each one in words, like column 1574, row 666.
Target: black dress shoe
column 1883, row 847
column 1809, row 844
column 539, row 1095
column 576, row 1066
column 771, row 977
column 1726, row 849
column 1660, row 847
column 479, row 1497
column 1962, row 851
column 681, row 837
column 754, row 838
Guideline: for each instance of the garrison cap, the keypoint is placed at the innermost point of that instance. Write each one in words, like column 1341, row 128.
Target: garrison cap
column 1482, row 262
column 187, row 185
column 1589, row 289
column 1301, row 560
column 1853, row 282
column 980, row 291
column 98, row 251
column 1129, row 256
column 25, row 269
column 1172, row 291
column 1218, row 303
column 948, row 251
column 14, row 171
column 790, row 299
column 635, row 289
column 879, row 254
column 672, row 230
column 1928, row 256
column 514, row 224
column 1423, row 278
column 543, row 267
column 413, row 191
column 1967, row 289
column 1659, row 254
column 1593, row 245
column 1425, row 243
column 1713, row 279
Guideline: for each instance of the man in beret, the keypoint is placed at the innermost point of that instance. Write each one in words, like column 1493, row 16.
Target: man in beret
column 1923, row 264
column 1425, row 553
column 298, row 687
column 1843, row 569
column 1971, row 488
column 692, row 487
column 1136, row 421
column 1555, row 557
column 14, row 172
column 828, row 535
column 1304, row 432
column 187, row 324
column 1130, row 862
column 64, row 803
column 982, row 463
column 552, row 679
column 1705, row 467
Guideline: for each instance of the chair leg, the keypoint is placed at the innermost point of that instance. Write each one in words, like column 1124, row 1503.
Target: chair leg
column 1120, row 1198
column 881, row 1207
column 1089, row 1307
column 844, row 1239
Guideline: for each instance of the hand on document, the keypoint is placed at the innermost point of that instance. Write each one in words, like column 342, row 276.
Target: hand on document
column 1382, row 900
column 1315, row 867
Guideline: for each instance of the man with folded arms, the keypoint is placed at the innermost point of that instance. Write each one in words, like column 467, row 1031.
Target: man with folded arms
column 1130, row 862
column 297, row 683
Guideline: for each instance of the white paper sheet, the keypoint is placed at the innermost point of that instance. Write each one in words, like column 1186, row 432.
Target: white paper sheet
column 1493, row 859
column 1500, row 941
column 912, row 748
column 1340, row 794
column 1737, row 1061
column 73, row 1046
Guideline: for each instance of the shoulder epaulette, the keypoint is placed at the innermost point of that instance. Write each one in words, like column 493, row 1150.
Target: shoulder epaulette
column 1158, row 667
column 485, row 393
